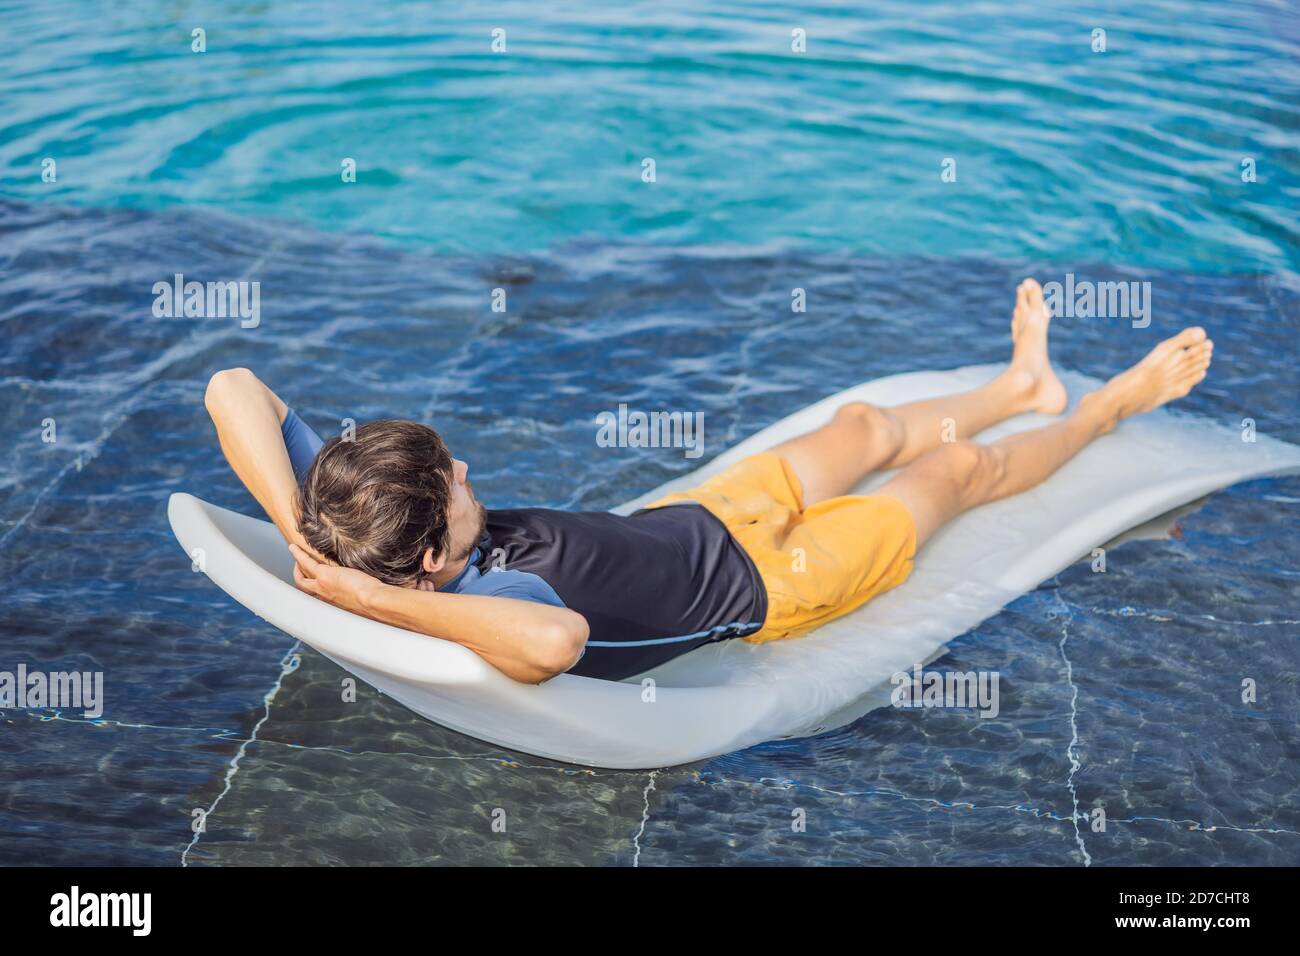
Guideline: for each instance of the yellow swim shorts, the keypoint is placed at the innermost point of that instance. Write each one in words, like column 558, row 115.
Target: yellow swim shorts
column 817, row 564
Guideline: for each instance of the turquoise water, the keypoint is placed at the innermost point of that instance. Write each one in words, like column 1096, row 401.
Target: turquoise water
column 1130, row 156
column 522, row 170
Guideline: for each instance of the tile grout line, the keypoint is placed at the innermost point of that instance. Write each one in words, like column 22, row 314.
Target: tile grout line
column 1070, row 750
column 217, row 733
column 288, row 664
column 645, row 818
column 82, row 459
column 1032, row 811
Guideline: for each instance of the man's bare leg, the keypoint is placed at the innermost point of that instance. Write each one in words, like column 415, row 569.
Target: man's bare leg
column 865, row 438
column 955, row 478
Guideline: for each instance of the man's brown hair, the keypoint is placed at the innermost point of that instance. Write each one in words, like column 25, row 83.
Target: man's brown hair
column 378, row 501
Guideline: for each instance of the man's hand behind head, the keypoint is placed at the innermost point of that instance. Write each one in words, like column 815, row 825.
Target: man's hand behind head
column 347, row 588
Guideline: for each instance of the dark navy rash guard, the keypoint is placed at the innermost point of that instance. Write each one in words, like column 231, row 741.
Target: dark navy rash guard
column 652, row 585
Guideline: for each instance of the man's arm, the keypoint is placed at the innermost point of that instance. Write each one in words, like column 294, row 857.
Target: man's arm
column 525, row 640
column 248, row 416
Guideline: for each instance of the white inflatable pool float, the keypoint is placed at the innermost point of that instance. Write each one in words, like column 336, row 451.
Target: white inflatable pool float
column 727, row 696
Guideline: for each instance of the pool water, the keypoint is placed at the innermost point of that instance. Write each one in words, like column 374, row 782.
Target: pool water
column 522, row 170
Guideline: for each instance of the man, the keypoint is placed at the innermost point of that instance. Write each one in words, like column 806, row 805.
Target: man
column 386, row 524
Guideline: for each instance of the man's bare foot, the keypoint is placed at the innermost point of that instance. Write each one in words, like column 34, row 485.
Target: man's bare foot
column 1169, row 371
column 1030, row 366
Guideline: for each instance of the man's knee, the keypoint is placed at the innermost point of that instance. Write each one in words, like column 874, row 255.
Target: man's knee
column 974, row 469
column 884, row 427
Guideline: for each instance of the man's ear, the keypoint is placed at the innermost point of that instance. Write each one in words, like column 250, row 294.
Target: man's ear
column 432, row 563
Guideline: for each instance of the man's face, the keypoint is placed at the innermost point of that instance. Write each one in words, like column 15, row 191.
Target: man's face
column 466, row 518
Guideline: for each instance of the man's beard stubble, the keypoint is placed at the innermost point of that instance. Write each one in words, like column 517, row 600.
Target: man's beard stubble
column 468, row 548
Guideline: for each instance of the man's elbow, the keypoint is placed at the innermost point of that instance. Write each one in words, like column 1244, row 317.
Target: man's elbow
column 560, row 646
column 225, row 385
